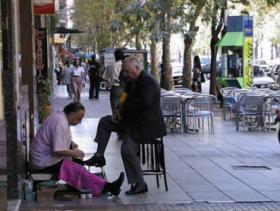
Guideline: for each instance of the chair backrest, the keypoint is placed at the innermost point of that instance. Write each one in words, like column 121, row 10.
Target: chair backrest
column 171, row 104
column 201, row 103
column 252, row 103
column 182, row 90
column 272, row 103
column 226, row 91
column 237, row 92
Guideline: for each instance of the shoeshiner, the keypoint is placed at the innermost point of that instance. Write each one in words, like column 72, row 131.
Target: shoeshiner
column 52, row 151
column 140, row 120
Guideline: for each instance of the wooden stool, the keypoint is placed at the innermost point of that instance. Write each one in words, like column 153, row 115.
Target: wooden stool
column 152, row 159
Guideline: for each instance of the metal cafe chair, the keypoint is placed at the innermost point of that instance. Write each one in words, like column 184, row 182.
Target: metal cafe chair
column 272, row 104
column 199, row 108
column 172, row 112
column 250, row 111
column 229, row 103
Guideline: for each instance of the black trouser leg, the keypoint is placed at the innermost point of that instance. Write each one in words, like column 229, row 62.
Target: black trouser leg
column 104, row 129
column 91, row 87
column 96, row 87
column 129, row 152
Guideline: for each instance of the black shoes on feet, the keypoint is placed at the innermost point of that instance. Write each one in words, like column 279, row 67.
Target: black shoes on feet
column 137, row 189
column 97, row 161
column 115, row 187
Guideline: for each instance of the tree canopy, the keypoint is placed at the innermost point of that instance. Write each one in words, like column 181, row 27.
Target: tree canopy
column 142, row 23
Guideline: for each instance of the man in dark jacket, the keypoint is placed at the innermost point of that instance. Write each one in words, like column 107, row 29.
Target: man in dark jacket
column 141, row 121
column 94, row 78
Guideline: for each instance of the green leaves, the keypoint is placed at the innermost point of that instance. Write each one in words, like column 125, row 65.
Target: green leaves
column 43, row 94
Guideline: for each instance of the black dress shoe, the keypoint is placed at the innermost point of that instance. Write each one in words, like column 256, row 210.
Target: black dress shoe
column 137, row 189
column 97, row 161
column 116, row 185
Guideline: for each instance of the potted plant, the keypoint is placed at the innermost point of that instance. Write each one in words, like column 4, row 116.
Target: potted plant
column 43, row 96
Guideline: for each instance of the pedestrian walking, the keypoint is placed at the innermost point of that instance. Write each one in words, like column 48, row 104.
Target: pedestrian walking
column 67, row 78
column 59, row 74
column 111, row 75
column 77, row 77
column 94, row 78
column 198, row 76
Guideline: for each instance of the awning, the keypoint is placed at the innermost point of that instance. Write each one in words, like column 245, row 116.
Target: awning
column 68, row 54
column 232, row 39
column 58, row 40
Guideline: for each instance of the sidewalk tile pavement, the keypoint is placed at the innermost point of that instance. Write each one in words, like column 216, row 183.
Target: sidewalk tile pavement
column 204, row 171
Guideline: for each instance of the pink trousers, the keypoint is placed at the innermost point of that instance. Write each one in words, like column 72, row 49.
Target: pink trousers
column 80, row 178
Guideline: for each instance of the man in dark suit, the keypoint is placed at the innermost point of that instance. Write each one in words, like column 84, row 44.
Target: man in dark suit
column 94, row 78
column 141, row 121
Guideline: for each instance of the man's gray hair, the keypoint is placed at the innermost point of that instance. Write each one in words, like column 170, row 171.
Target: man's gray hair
column 134, row 61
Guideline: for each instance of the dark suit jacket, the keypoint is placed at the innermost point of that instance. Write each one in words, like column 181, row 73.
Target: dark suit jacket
column 94, row 67
column 142, row 112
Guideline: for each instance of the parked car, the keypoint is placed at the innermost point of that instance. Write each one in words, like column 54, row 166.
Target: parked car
column 275, row 73
column 204, row 60
column 177, row 73
column 261, row 80
column 263, row 64
column 206, row 69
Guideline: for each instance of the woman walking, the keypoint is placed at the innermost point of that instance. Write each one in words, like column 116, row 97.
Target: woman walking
column 68, row 78
column 198, row 76
column 78, row 73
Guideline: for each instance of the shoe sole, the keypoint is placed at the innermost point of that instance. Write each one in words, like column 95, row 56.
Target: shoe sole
column 138, row 192
column 131, row 192
column 96, row 164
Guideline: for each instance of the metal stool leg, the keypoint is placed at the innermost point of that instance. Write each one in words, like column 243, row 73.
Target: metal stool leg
column 163, row 165
column 152, row 157
column 157, row 166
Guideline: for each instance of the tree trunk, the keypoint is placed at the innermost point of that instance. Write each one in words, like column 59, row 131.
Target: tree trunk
column 213, row 65
column 187, row 69
column 138, row 41
column 167, row 79
column 154, row 59
column 271, row 52
column 215, row 31
column 257, row 49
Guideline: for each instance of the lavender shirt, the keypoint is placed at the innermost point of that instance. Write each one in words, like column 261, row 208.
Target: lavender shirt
column 54, row 135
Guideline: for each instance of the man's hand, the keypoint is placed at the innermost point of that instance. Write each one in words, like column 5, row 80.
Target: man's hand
column 79, row 154
column 117, row 115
